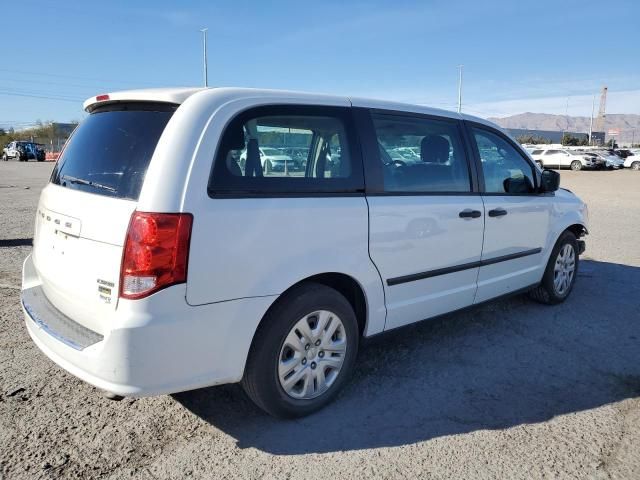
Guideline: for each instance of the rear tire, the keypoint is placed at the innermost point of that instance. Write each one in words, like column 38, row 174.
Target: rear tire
column 635, row 166
column 561, row 272
column 576, row 165
column 285, row 351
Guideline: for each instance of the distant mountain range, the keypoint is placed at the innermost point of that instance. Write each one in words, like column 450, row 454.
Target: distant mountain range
column 626, row 123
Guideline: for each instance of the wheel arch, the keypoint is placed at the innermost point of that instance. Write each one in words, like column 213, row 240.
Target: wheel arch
column 572, row 220
column 578, row 229
column 345, row 284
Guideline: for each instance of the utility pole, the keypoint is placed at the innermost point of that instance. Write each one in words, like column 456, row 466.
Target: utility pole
column 204, row 55
column 460, row 88
column 593, row 108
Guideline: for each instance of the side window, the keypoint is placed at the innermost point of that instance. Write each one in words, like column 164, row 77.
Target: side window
column 505, row 169
column 421, row 155
column 287, row 149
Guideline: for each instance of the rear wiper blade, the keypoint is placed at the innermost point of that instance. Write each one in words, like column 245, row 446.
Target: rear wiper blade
column 82, row 181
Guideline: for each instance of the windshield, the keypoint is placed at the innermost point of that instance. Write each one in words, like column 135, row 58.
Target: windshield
column 109, row 152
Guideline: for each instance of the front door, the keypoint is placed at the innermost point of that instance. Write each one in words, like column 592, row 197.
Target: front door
column 426, row 222
column 517, row 218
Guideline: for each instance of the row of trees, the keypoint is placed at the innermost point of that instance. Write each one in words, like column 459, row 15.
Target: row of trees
column 532, row 139
column 567, row 140
column 571, row 141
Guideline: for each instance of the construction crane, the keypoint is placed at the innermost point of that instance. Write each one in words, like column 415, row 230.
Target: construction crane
column 602, row 112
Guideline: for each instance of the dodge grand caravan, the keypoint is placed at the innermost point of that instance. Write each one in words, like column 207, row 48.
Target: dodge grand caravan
column 162, row 264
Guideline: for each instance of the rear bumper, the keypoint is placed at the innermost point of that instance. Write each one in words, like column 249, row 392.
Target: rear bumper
column 154, row 346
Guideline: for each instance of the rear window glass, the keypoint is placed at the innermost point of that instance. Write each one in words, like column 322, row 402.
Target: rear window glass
column 109, row 152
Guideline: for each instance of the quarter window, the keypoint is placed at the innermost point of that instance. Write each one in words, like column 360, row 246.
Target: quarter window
column 287, row 150
column 421, row 155
column 505, row 169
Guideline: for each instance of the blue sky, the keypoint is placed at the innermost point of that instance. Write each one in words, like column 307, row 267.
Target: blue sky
column 518, row 55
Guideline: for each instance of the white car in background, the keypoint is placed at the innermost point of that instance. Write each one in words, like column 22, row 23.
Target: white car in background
column 272, row 160
column 632, row 161
column 559, row 158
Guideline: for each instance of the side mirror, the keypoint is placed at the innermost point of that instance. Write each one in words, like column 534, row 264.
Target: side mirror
column 550, row 181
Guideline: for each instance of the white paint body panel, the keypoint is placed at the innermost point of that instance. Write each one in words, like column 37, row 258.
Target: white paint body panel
column 414, row 234
column 77, row 242
column 245, row 252
column 525, row 227
column 159, row 344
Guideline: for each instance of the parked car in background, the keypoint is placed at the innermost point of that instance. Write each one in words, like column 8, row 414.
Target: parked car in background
column 609, row 161
column 632, row 161
column 272, row 160
column 559, row 158
column 23, row 151
column 298, row 154
column 159, row 266
column 408, row 153
column 600, row 163
column 623, row 153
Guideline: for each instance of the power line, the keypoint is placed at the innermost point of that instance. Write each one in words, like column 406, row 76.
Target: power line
column 47, row 97
column 41, row 74
column 39, row 92
column 49, row 82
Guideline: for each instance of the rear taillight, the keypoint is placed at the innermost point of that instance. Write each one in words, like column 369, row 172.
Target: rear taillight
column 156, row 252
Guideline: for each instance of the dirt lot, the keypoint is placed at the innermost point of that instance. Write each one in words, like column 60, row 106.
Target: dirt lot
column 511, row 390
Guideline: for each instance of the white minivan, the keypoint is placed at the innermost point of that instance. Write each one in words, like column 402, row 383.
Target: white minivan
column 161, row 264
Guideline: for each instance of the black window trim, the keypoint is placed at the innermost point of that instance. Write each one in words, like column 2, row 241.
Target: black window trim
column 356, row 187
column 374, row 183
column 469, row 124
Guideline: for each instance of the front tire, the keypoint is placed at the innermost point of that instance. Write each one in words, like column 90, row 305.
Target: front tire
column 576, row 165
column 561, row 272
column 4, row 157
column 303, row 352
column 635, row 166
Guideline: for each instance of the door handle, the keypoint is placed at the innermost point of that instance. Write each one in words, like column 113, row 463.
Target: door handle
column 497, row 212
column 468, row 213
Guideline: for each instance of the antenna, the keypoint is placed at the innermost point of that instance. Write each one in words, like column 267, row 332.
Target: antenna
column 460, row 67
column 204, row 55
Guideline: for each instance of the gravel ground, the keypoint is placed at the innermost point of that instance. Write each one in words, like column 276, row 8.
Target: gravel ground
column 510, row 390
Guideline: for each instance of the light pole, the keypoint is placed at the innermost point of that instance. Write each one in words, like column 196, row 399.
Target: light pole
column 460, row 88
column 204, row 55
column 593, row 106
